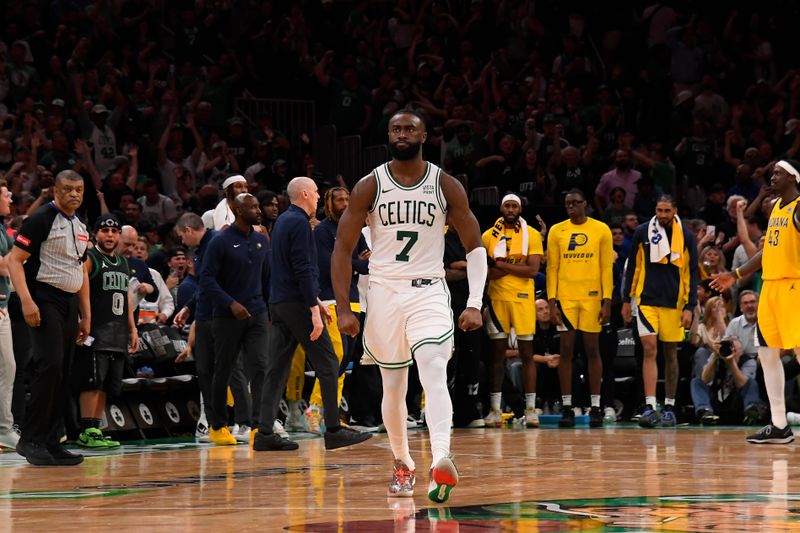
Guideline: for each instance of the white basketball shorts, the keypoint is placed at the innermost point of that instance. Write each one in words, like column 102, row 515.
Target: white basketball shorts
column 403, row 315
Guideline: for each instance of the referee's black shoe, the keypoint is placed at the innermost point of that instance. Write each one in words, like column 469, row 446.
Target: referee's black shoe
column 41, row 455
column 35, row 454
column 64, row 457
column 344, row 436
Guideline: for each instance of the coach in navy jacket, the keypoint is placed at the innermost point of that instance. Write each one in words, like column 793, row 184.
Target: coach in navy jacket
column 297, row 316
column 235, row 277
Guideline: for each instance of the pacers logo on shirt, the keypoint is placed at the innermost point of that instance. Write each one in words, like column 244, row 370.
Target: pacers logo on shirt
column 577, row 240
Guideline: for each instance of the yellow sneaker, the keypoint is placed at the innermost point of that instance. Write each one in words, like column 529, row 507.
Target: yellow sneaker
column 222, row 437
column 253, row 433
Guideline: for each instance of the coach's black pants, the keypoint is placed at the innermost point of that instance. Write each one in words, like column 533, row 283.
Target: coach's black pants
column 53, row 345
column 292, row 324
column 230, row 337
column 204, row 360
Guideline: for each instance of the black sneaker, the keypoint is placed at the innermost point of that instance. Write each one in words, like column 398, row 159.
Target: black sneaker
column 344, row 437
column 264, row 442
column 770, row 434
column 753, row 415
column 567, row 417
column 63, row 456
column 595, row 417
column 35, row 454
column 707, row 417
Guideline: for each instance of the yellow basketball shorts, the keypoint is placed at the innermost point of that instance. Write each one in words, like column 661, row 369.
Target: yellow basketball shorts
column 581, row 315
column 503, row 315
column 778, row 320
column 662, row 321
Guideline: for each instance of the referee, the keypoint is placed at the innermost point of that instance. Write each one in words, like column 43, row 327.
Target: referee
column 46, row 267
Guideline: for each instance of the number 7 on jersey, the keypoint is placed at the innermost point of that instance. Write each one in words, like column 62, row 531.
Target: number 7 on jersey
column 412, row 237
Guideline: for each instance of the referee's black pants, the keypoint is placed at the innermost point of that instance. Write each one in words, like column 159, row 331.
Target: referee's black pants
column 292, row 324
column 52, row 347
column 230, row 337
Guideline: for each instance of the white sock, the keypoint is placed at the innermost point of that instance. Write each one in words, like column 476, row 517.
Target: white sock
column 202, row 418
column 595, row 400
column 651, row 401
column 495, row 399
column 775, row 381
column 669, row 401
column 530, row 400
column 432, row 365
column 566, row 399
column 394, row 411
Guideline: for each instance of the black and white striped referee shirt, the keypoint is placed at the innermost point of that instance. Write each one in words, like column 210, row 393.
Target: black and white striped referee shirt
column 57, row 244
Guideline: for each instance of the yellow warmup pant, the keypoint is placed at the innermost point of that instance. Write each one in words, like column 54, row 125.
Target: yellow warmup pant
column 294, row 387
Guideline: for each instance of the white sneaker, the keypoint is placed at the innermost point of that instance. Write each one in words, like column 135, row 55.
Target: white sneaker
column 609, row 414
column 531, row 417
column 494, row 419
column 411, row 423
column 477, row 423
column 278, row 429
column 793, row 418
column 9, row 439
column 242, row 433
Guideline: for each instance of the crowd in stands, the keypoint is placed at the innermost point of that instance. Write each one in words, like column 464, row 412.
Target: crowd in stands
column 625, row 101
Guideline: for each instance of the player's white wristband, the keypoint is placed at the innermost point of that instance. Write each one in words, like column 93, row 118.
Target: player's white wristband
column 477, row 270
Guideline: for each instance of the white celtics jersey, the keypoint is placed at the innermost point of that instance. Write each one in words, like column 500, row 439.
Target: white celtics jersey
column 105, row 148
column 407, row 227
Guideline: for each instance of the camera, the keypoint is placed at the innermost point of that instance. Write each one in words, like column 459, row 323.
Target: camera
column 726, row 347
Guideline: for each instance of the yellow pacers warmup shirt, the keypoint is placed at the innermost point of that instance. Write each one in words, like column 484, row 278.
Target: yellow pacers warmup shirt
column 781, row 257
column 513, row 288
column 580, row 261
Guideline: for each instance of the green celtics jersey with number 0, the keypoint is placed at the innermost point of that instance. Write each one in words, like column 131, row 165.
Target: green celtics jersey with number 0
column 407, row 226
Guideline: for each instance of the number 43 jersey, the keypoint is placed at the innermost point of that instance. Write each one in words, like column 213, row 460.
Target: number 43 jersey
column 781, row 256
column 407, row 226
column 108, row 293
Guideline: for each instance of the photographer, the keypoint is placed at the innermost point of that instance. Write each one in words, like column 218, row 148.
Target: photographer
column 731, row 367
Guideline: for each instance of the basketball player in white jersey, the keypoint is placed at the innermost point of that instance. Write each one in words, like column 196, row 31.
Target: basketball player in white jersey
column 406, row 202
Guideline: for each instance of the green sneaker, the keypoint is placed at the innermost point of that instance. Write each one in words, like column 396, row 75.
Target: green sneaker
column 94, row 438
column 111, row 443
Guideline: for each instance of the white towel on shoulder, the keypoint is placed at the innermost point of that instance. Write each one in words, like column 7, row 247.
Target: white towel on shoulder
column 659, row 243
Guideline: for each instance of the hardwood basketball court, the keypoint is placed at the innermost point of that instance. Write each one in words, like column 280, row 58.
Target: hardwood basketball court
column 619, row 478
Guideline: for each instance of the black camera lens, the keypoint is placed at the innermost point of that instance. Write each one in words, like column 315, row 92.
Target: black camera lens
column 726, row 348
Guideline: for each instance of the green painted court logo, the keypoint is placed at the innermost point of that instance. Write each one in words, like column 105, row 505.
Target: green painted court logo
column 717, row 512
column 63, row 494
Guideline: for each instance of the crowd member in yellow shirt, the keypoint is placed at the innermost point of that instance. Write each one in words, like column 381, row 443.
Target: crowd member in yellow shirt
column 515, row 252
column 580, row 282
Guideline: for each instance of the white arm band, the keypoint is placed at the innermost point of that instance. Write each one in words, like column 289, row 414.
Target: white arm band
column 477, row 270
